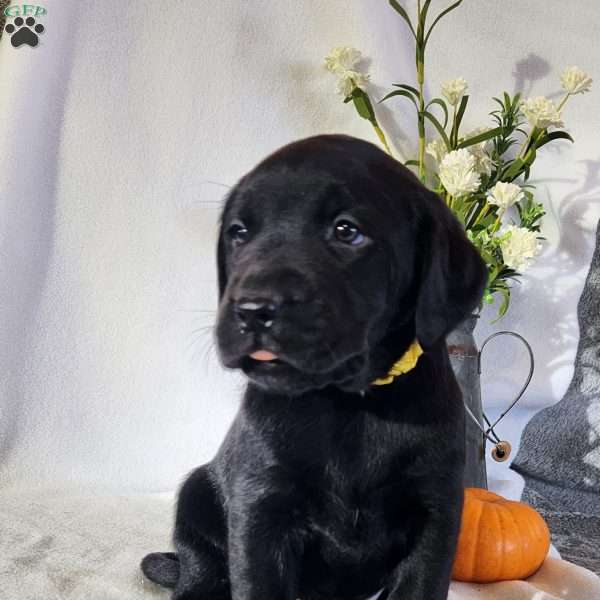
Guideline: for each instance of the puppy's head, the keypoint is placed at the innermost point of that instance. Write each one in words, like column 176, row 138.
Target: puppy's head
column 327, row 248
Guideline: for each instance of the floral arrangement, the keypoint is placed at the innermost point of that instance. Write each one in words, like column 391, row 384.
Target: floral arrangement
column 482, row 175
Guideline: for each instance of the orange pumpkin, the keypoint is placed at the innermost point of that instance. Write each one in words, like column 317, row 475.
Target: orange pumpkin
column 499, row 539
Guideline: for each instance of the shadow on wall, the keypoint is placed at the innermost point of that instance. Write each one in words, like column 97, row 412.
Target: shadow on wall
column 527, row 71
column 573, row 249
column 555, row 279
column 34, row 209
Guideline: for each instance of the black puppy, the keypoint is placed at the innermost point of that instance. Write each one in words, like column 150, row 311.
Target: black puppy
column 337, row 477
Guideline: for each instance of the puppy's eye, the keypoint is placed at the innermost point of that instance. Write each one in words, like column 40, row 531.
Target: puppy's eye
column 238, row 232
column 348, row 233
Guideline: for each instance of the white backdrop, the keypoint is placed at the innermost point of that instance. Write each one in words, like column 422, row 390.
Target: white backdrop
column 118, row 134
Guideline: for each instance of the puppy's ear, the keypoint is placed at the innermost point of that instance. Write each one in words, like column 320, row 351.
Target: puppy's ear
column 453, row 274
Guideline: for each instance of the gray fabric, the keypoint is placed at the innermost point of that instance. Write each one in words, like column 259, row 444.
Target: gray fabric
column 559, row 453
column 576, row 535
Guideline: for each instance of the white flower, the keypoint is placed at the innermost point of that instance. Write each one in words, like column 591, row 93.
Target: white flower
column 342, row 62
column 541, row 112
column 342, row 58
column 520, row 247
column 457, row 173
column 483, row 162
column 575, row 81
column 348, row 80
column 505, row 195
column 437, row 149
column 454, row 89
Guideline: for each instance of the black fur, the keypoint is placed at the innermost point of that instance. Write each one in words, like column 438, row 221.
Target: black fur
column 327, row 487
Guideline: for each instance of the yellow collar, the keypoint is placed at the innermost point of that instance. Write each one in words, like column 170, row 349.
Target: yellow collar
column 407, row 362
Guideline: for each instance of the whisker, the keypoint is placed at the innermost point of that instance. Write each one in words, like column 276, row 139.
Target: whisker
column 202, row 329
column 218, row 183
column 210, row 349
column 197, row 334
column 203, row 349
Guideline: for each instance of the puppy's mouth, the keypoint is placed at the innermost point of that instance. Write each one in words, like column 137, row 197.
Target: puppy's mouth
column 276, row 372
column 264, row 356
column 263, row 361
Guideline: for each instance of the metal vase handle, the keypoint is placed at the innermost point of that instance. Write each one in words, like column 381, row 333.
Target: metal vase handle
column 502, row 448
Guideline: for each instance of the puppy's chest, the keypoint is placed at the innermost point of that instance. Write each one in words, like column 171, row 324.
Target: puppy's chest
column 362, row 505
column 350, row 527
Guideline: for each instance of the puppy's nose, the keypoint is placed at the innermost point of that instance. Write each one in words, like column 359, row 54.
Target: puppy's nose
column 256, row 314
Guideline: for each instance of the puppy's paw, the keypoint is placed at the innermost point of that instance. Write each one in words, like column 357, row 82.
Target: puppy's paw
column 161, row 568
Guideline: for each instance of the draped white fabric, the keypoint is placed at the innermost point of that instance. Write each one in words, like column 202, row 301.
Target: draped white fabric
column 118, row 136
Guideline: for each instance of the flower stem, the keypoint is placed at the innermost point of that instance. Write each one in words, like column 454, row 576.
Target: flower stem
column 497, row 224
column 382, row 137
column 421, row 149
column 563, row 102
column 420, row 63
column 526, row 143
column 482, row 213
column 421, row 117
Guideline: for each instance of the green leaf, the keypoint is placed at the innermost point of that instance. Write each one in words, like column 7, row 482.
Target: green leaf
column 440, row 16
column 482, row 137
column 513, row 170
column 439, row 128
column 402, row 12
column 408, row 88
column 441, row 103
column 554, row 135
column 498, row 101
column 505, row 292
column 423, row 15
column 403, row 93
column 530, row 157
column 461, row 111
column 412, row 163
column 363, row 105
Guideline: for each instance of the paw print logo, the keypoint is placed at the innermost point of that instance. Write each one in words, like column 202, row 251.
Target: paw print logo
column 24, row 32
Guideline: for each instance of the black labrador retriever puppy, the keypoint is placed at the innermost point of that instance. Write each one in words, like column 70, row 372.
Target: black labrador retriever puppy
column 342, row 473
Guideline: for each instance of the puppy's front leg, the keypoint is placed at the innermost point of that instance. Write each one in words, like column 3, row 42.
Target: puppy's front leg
column 265, row 547
column 425, row 573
